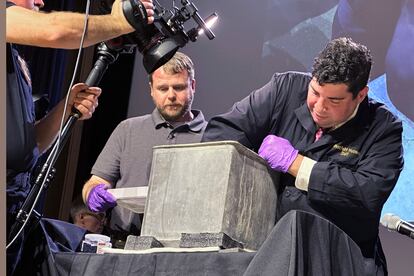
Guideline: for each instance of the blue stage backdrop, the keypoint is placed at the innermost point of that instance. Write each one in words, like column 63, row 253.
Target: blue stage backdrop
column 256, row 39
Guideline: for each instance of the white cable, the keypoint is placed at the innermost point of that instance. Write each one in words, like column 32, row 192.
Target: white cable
column 61, row 122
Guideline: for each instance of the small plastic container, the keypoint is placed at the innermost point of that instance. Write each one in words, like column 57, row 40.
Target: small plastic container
column 94, row 243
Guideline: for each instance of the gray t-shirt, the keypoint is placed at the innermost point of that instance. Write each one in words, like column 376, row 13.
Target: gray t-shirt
column 126, row 158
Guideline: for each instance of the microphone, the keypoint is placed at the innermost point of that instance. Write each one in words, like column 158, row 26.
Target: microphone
column 395, row 223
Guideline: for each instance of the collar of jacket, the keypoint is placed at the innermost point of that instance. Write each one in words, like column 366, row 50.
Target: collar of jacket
column 350, row 129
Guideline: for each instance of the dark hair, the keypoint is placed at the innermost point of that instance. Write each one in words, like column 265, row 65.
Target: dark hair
column 343, row 61
column 78, row 207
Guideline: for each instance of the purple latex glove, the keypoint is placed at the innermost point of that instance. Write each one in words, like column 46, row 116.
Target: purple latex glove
column 278, row 152
column 99, row 199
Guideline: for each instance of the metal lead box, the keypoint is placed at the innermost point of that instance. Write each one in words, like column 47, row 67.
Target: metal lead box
column 210, row 188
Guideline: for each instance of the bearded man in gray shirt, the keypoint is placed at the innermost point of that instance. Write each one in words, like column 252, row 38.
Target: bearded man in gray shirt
column 126, row 158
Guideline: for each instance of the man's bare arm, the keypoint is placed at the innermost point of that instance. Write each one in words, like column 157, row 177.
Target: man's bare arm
column 64, row 29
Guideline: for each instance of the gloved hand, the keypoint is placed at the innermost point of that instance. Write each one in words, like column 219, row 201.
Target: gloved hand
column 99, row 199
column 278, row 152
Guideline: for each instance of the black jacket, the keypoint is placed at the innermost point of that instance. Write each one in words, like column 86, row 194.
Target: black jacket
column 357, row 166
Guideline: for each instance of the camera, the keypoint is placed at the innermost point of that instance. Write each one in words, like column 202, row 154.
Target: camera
column 159, row 41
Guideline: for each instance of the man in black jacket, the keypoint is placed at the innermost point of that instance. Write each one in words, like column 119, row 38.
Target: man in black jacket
column 339, row 153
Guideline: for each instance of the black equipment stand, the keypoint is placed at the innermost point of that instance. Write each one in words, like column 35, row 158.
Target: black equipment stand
column 25, row 217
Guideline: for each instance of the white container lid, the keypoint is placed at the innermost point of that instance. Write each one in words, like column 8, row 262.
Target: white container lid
column 97, row 238
column 132, row 198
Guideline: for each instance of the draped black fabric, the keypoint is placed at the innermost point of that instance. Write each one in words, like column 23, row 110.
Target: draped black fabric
column 48, row 237
column 53, row 249
column 302, row 243
column 178, row 264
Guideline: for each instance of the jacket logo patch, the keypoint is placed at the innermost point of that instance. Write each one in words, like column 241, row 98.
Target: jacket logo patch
column 345, row 151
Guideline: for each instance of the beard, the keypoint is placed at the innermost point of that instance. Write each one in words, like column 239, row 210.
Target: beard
column 170, row 113
column 175, row 112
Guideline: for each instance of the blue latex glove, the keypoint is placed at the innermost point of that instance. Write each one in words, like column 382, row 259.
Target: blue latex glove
column 278, row 152
column 99, row 199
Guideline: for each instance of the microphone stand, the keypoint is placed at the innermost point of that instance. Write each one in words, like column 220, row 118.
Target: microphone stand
column 106, row 56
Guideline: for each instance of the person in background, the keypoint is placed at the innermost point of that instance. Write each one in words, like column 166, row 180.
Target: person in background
column 81, row 216
column 126, row 158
